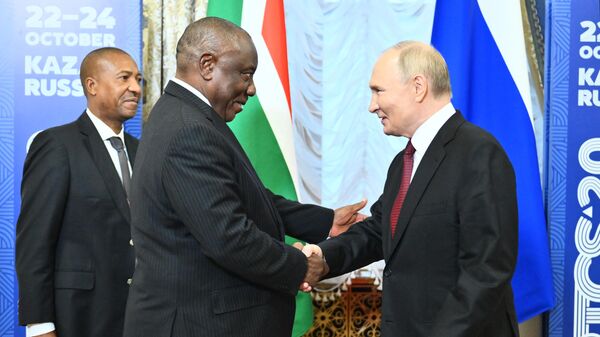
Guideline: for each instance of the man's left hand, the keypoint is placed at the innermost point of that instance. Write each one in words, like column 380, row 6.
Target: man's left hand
column 346, row 216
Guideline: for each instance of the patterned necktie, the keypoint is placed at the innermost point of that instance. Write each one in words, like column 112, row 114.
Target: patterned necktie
column 117, row 143
column 407, row 166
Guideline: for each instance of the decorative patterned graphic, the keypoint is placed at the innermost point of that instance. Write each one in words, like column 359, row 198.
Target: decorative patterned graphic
column 573, row 182
column 557, row 83
column 8, row 302
column 352, row 313
column 133, row 35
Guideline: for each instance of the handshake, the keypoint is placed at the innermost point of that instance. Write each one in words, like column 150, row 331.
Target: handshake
column 343, row 218
column 317, row 267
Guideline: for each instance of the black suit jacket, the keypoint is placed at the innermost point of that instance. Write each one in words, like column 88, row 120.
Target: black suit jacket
column 449, row 265
column 209, row 236
column 73, row 256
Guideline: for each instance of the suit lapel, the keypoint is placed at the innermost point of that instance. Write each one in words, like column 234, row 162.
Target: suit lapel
column 427, row 168
column 179, row 91
column 95, row 146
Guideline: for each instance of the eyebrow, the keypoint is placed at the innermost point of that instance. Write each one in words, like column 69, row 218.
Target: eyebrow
column 128, row 72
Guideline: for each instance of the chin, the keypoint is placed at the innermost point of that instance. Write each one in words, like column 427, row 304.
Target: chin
column 391, row 133
column 125, row 115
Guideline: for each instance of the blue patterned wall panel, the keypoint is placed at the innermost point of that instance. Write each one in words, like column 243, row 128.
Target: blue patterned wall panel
column 8, row 302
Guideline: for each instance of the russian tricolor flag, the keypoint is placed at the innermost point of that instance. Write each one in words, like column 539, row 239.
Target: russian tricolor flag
column 483, row 43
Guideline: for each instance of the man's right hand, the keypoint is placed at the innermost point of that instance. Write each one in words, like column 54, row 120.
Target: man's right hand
column 309, row 250
column 317, row 267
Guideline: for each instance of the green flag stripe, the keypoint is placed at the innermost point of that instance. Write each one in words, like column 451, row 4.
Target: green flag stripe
column 256, row 136
column 227, row 9
column 251, row 126
column 254, row 133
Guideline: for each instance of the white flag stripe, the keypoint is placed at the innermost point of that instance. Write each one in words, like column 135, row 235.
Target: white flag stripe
column 505, row 23
column 269, row 87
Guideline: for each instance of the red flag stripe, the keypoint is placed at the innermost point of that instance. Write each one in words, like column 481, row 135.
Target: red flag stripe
column 273, row 32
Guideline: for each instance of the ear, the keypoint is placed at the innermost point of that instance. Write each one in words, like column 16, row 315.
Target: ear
column 91, row 85
column 421, row 86
column 206, row 65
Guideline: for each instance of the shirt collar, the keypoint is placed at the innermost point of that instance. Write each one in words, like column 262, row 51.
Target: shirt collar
column 425, row 133
column 104, row 130
column 190, row 88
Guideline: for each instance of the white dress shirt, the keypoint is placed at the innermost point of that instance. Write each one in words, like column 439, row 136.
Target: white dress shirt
column 425, row 133
column 105, row 133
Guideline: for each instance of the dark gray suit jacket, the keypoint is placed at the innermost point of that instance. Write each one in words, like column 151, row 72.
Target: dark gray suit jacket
column 73, row 256
column 209, row 236
column 449, row 265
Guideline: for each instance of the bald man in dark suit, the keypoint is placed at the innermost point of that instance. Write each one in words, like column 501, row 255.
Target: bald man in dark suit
column 209, row 236
column 73, row 251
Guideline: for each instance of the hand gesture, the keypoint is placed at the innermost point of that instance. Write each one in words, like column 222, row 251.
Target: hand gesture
column 345, row 216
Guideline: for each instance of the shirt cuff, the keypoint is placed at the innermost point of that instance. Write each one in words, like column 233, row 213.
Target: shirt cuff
column 38, row 329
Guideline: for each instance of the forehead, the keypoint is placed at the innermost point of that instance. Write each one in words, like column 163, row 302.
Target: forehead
column 116, row 62
column 242, row 57
column 385, row 69
column 240, row 44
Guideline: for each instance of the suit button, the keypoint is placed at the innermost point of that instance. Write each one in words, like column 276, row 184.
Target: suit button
column 131, row 242
column 129, row 281
column 387, row 273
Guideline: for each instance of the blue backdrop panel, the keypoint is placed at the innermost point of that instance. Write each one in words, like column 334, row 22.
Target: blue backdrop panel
column 43, row 44
column 573, row 184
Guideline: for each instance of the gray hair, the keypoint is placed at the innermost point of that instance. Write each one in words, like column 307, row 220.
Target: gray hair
column 419, row 58
column 210, row 35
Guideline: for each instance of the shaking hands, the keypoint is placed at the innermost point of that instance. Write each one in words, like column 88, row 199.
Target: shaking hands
column 343, row 218
column 317, row 267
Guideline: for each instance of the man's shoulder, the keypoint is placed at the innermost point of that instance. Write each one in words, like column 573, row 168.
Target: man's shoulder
column 475, row 142
column 168, row 110
column 61, row 133
column 174, row 123
column 62, row 129
column 473, row 133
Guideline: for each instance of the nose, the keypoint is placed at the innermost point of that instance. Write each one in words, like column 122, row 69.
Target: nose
column 134, row 86
column 373, row 105
column 251, row 90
